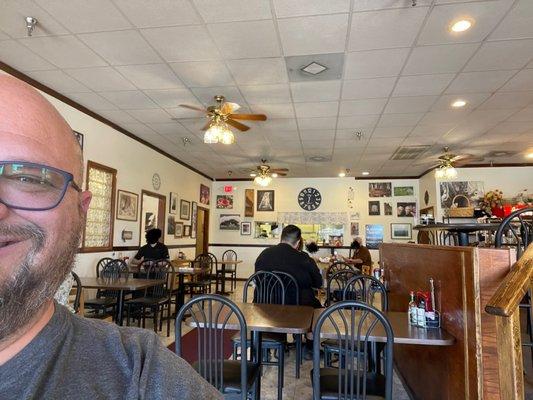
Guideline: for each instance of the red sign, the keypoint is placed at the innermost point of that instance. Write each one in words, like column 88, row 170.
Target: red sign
column 228, row 189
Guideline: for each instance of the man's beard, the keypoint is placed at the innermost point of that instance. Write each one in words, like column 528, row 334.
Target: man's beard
column 34, row 281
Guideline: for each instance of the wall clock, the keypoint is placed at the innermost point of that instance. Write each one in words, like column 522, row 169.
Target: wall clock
column 156, row 181
column 309, row 199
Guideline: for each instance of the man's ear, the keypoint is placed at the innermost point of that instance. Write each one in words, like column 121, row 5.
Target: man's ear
column 85, row 200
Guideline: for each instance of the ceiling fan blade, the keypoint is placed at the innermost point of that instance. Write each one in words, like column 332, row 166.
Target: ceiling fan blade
column 281, row 173
column 193, row 108
column 280, row 170
column 250, row 117
column 206, row 126
column 467, row 160
column 237, row 125
column 228, row 108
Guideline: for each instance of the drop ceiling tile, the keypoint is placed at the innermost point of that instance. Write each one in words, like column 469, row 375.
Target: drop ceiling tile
column 248, row 39
column 274, row 110
column 506, row 129
column 151, row 115
column 356, row 122
column 517, row 24
column 315, row 91
column 64, row 51
column 233, row 10
column 409, row 104
column 92, row 101
column 130, row 99
column 367, row 28
column 159, row 13
column 419, row 85
column 351, row 135
column 118, row 116
column 322, row 134
column 486, row 15
column 181, row 112
column 523, row 80
column 370, row 5
column 362, row 107
column 19, row 57
column 319, row 109
column 367, row 88
column 266, row 94
column 379, row 142
column 502, row 100
column 375, row 63
column 203, row 73
column 101, row 79
column 476, row 82
column 472, row 101
column 170, row 98
column 317, row 123
column 391, row 131
column 141, row 130
column 275, row 136
column 86, row 16
column 258, row 71
column 171, row 129
column 436, row 118
column 59, row 81
column 14, row 12
column 509, row 54
column 439, row 59
column 432, row 130
column 391, row 120
column 313, row 35
column 525, row 115
column 298, row 8
column 279, row 124
column 150, row 76
column 121, row 47
column 182, row 43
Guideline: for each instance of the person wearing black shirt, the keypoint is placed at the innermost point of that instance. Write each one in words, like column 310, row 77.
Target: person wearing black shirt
column 153, row 250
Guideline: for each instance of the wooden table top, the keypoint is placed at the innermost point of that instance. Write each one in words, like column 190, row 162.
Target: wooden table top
column 403, row 332
column 268, row 318
column 119, row 283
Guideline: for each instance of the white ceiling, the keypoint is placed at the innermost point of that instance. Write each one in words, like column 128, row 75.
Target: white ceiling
column 135, row 61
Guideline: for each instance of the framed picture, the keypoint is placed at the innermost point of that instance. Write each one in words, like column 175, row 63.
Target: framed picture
column 406, row 209
column 127, row 205
column 379, row 189
column 374, row 236
column 248, row 202
column 265, row 200
column 401, row 231
column 173, row 203
column 205, row 194
column 225, row 201
column 194, row 218
column 373, row 208
column 404, row 191
column 79, row 137
column 186, row 230
column 178, row 232
column 171, row 222
column 230, row 222
column 387, row 208
column 354, row 228
column 246, row 228
column 150, row 221
column 455, row 194
column 185, row 209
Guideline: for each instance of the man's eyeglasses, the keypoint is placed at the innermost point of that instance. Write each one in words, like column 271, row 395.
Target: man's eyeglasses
column 33, row 187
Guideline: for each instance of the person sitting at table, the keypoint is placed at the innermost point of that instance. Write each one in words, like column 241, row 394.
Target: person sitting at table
column 47, row 352
column 153, row 249
column 361, row 254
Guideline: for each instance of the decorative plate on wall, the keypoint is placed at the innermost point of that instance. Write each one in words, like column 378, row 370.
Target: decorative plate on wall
column 426, row 197
column 309, row 199
column 156, row 181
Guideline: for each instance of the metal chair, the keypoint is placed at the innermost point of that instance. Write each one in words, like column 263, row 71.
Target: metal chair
column 202, row 281
column 230, row 269
column 211, row 313
column 101, row 264
column 353, row 323
column 77, row 295
column 268, row 289
column 336, row 282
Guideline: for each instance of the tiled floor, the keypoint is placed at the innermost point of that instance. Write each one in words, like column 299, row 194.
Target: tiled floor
column 293, row 389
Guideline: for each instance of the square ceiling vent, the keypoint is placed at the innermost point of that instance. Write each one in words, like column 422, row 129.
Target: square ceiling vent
column 315, row 67
column 408, row 152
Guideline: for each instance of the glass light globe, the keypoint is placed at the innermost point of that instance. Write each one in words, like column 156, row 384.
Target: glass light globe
column 226, row 137
column 263, row 180
column 450, row 173
column 212, row 135
column 439, row 173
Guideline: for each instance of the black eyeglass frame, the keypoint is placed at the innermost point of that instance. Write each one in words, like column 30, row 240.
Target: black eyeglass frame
column 69, row 181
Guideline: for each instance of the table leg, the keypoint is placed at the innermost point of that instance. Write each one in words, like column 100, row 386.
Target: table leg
column 298, row 339
column 222, row 281
column 180, row 296
column 120, row 308
column 256, row 339
column 463, row 238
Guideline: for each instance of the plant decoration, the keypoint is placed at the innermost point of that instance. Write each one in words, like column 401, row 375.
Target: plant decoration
column 492, row 200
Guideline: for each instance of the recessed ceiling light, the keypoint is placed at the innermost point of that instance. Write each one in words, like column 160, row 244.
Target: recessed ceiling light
column 529, row 155
column 458, row 103
column 461, row 25
column 342, row 174
column 365, row 173
column 274, row 175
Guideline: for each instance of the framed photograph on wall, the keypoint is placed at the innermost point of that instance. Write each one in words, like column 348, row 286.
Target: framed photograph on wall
column 373, row 236
column 246, row 228
column 387, row 208
column 401, row 231
column 373, row 208
column 171, row 225
column 248, row 202
column 194, row 219
column 230, row 222
column 380, row 189
column 225, row 201
column 186, row 230
column 79, row 137
column 185, row 209
column 354, row 228
column 406, row 209
column 173, row 203
column 404, row 191
column 205, row 194
column 127, row 205
column 178, row 232
column 265, row 200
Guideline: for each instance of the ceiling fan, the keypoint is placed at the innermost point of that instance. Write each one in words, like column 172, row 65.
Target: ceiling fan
column 220, row 116
column 263, row 173
column 446, row 163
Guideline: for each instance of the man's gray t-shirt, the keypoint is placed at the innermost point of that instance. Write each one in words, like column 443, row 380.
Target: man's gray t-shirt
column 80, row 358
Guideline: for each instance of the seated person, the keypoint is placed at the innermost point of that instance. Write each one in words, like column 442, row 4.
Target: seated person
column 152, row 250
column 287, row 257
column 361, row 254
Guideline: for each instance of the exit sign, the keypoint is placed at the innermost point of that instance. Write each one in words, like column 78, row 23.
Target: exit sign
column 228, row 189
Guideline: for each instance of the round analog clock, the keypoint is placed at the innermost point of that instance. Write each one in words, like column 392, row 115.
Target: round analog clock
column 309, row 199
column 156, row 181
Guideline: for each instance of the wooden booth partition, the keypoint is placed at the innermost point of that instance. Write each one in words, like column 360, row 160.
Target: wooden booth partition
column 465, row 278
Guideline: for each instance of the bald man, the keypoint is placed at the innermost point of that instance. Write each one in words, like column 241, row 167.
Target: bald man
column 45, row 351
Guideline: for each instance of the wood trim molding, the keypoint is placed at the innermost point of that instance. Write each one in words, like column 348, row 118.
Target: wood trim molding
column 135, row 248
column 23, row 77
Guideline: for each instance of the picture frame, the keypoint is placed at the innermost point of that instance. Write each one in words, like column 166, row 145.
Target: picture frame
column 171, row 225
column 186, row 230
column 79, row 137
column 224, row 202
column 380, row 189
column 374, row 208
column 229, row 222
column 249, row 202
column 173, row 203
column 205, row 194
column 127, row 206
column 373, row 236
column 185, row 209
column 265, row 200
column 387, row 208
column 246, row 228
column 178, row 230
column 406, row 209
column 194, row 218
column 354, row 229
column 404, row 191
column 402, row 231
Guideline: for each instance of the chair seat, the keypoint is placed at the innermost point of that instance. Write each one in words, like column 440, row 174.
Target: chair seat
column 148, row 300
column 232, row 374
column 100, row 302
column 329, row 381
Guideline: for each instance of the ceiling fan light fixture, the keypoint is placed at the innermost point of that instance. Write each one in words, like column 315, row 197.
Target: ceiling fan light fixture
column 446, row 172
column 274, row 175
column 226, row 137
column 263, row 180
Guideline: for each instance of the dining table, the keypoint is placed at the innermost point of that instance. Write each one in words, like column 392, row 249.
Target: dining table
column 462, row 229
column 223, row 264
column 122, row 285
column 183, row 268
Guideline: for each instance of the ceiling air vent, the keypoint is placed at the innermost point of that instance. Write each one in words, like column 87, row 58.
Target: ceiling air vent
column 318, row 159
column 314, row 68
column 408, row 152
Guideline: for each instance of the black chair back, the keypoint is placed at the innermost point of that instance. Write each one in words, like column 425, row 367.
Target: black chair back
column 269, row 288
column 340, row 266
column 114, row 269
column 229, row 255
column 101, row 264
column 337, row 282
column 160, row 269
column 364, row 288
column 206, row 263
column 517, row 229
column 353, row 325
column 78, row 287
column 292, row 289
column 211, row 313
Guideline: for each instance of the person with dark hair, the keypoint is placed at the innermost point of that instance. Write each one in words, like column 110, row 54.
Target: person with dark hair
column 153, row 249
column 361, row 254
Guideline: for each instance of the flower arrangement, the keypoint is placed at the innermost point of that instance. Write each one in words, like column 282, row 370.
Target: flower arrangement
column 492, row 200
